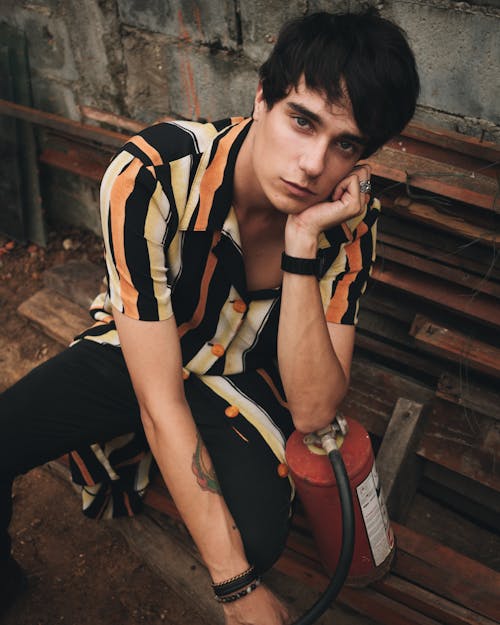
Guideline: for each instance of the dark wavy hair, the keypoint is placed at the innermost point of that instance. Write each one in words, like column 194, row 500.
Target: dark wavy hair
column 362, row 53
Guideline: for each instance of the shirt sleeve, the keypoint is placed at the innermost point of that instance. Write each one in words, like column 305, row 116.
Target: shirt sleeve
column 348, row 275
column 137, row 220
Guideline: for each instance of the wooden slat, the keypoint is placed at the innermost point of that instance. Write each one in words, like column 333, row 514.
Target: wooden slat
column 373, row 393
column 479, row 259
column 455, row 141
column 59, row 317
column 396, row 459
column 79, row 281
column 464, row 265
column 471, row 396
column 396, row 355
column 442, row 178
column 456, row 346
column 412, row 145
column 454, row 224
column 63, row 124
column 463, row 278
column 76, row 162
column 383, row 609
column 465, row 442
column 431, row 565
column 445, row 294
column 447, row 584
column 428, row 603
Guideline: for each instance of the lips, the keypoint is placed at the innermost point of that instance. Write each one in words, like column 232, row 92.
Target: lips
column 297, row 189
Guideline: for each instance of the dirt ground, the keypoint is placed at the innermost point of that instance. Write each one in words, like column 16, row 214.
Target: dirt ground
column 80, row 572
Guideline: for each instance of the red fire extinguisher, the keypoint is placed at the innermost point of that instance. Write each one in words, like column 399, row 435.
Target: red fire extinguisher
column 318, row 490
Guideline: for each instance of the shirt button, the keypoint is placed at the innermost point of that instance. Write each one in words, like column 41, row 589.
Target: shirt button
column 232, row 411
column 218, row 350
column 239, row 306
column 283, row 469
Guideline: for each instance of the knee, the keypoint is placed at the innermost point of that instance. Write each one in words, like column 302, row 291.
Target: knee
column 264, row 538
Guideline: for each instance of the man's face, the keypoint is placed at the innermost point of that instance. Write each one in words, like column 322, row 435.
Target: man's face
column 302, row 148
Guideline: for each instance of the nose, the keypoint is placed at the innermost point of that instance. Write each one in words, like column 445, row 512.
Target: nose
column 312, row 160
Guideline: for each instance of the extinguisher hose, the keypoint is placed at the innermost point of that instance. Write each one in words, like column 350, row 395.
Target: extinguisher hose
column 345, row 558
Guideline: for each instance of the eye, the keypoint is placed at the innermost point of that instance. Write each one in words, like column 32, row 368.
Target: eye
column 346, row 146
column 302, row 122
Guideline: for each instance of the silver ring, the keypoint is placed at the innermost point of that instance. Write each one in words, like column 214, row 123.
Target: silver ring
column 365, row 186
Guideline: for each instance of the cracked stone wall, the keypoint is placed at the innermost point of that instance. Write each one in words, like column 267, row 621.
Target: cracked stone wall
column 198, row 59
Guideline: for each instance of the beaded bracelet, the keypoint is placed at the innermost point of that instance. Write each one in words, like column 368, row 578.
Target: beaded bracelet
column 236, row 583
column 240, row 594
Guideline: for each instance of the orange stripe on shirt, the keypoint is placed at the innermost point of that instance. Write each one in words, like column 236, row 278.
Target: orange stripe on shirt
column 199, row 313
column 339, row 304
column 122, row 188
column 148, row 149
column 264, row 374
column 83, row 469
column 213, row 176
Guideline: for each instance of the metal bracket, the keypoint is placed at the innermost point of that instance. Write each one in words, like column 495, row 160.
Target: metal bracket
column 326, row 437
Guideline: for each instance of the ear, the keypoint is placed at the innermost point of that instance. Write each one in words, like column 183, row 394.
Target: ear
column 259, row 104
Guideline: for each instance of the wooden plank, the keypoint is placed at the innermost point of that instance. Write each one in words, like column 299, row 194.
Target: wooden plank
column 456, row 346
column 407, row 144
column 463, row 278
column 448, row 584
column 406, row 207
column 406, row 360
column 445, row 572
column 441, row 178
column 105, row 117
column 479, row 259
column 465, row 265
column 79, row 281
column 171, row 561
column 465, row 442
column 21, row 216
column 463, row 497
column 383, row 609
column 444, row 294
column 76, row 162
column 57, row 316
column 463, row 392
column 373, row 393
column 87, row 132
column 428, row 603
column 455, row 141
column 397, row 464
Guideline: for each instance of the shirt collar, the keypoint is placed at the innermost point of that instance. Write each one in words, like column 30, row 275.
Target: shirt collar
column 211, row 192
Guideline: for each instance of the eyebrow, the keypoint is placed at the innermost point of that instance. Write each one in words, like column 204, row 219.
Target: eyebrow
column 305, row 112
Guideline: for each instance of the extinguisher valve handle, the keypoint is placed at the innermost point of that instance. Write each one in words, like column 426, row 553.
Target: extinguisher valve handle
column 328, row 441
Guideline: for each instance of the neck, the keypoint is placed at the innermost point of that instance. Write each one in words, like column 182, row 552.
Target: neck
column 248, row 197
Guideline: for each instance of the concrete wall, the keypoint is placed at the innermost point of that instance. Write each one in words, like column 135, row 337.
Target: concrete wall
column 199, row 58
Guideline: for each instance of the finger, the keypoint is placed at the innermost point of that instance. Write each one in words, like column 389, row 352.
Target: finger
column 364, row 175
column 347, row 190
column 362, row 170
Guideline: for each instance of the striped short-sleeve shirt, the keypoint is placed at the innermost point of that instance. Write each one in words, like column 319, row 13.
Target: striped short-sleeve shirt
column 172, row 247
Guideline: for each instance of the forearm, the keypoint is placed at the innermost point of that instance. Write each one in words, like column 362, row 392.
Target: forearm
column 312, row 375
column 153, row 357
column 190, row 479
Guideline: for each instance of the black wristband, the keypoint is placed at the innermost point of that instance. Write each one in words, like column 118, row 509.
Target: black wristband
column 302, row 266
column 236, row 583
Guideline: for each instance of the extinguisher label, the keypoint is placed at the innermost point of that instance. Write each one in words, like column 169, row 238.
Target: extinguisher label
column 375, row 516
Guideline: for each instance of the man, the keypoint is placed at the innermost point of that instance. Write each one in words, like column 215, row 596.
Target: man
column 236, row 254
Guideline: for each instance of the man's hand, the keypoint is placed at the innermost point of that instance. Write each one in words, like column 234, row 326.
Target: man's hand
column 347, row 202
column 258, row 608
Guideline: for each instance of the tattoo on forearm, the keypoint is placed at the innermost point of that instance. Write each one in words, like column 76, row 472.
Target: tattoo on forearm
column 203, row 469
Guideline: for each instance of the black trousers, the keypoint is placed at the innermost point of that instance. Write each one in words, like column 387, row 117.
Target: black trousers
column 84, row 395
